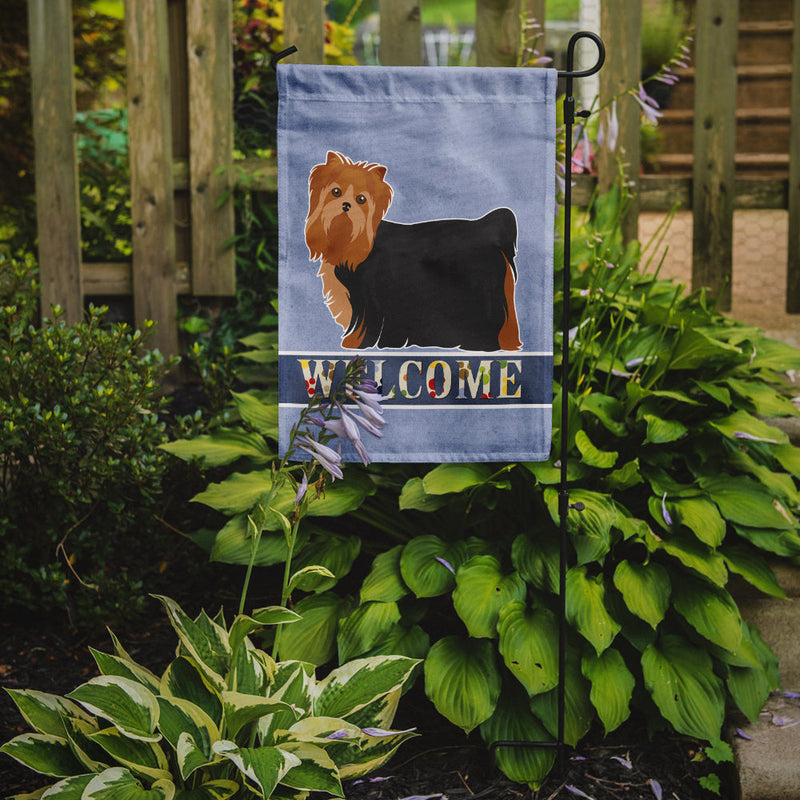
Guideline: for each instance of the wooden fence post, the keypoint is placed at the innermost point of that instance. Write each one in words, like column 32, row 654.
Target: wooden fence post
column 793, row 266
column 498, row 29
column 56, row 161
column 714, row 189
column 210, row 54
column 401, row 33
column 621, row 28
column 152, row 201
column 304, row 27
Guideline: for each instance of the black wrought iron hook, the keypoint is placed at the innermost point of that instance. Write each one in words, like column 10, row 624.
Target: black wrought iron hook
column 273, row 62
column 569, row 73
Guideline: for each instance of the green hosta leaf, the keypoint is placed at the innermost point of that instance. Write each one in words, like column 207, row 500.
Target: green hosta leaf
column 719, row 393
column 355, row 685
column 701, row 517
column 462, row 680
column 709, row 610
column 385, row 582
column 365, row 627
column 312, row 577
column 612, row 687
column 740, row 422
column 313, row 638
column 334, row 553
column 774, row 355
column 753, row 567
column 788, row 456
column 693, row 554
column 481, row 591
column 608, row 410
column 207, row 644
column 596, row 519
column 44, row 753
column 696, row 349
column 548, row 474
column 234, row 545
column 663, row 431
column 145, row 759
column 316, row 772
column 625, row 477
column 602, row 459
column 646, row 589
column 449, row 478
column 537, row 561
column 586, row 608
column 578, row 710
column 529, row 645
column 223, row 446
column 238, row 492
column 424, row 565
column 127, row 705
column 512, row 721
column 414, row 497
column 782, row 543
column 749, row 688
column 45, row 712
column 242, row 709
column 261, row 416
column 264, row 766
column 683, row 685
column 399, row 640
column 118, row 784
column 746, row 502
column 767, row 402
column 182, row 679
column 125, row 668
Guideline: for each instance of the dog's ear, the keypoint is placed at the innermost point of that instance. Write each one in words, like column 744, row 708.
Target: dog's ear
column 378, row 169
column 334, row 158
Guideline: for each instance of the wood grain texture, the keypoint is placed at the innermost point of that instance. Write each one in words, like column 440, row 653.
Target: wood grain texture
column 304, row 27
column 793, row 266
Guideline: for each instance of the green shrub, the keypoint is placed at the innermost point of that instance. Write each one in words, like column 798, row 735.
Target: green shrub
column 79, row 430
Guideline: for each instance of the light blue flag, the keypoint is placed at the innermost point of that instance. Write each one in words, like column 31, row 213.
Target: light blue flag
column 416, row 227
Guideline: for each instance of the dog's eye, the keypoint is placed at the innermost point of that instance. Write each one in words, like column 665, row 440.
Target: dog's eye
column 361, row 199
column 336, row 191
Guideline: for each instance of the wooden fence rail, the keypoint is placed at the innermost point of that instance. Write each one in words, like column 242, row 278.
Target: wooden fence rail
column 180, row 103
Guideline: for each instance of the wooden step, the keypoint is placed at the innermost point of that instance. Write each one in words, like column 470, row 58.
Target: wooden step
column 758, row 130
column 754, row 10
column 765, row 42
column 767, row 165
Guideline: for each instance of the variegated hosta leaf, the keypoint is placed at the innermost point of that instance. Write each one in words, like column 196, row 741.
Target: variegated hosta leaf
column 646, row 589
column 212, row 790
column 78, row 733
column 125, row 668
column 710, row 610
column 365, row 627
column 183, row 679
column 462, row 680
column 263, row 766
column 252, row 670
column 586, row 608
column 529, row 645
column 117, row 783
column 146, row 759
column 683, row 685
column 242, row 709
column 204, row 641
column 513, row 721
column 385, row 581
column 179, row 717
column 126, row 704
column 44, row 753
column 358, row 683
column 45, row 712
column 68, row 789
column 371, row 754
column 190, row 755
column 294, row 684
column 481, row 591
column 316, row 771
column 243, row 625
column 612, row 686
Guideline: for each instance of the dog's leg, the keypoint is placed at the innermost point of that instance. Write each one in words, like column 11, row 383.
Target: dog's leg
column 508, row 339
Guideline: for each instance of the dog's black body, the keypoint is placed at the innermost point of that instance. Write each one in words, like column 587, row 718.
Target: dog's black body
column 433, row 284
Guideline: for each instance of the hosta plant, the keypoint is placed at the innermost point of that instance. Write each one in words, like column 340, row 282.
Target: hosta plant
column 224, row 720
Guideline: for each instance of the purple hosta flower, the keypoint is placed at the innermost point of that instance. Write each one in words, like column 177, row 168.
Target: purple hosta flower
column 380, row 732
column 742, row 735
column 649, row 106
column 664, row 512
column 301, row 489
column 351, row 433
column 326, row 457
column 425, row 797
column 577, row 792
column 792, row 695
column 370, row 419
column 634, row 362
column 445, row 563
column 608, row 131
column 655, row 787
column 342, row 733
column 750, row 436
column 624, row 761
column 376, row 779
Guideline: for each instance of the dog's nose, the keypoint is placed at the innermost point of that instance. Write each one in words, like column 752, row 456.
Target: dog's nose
column 345, row 206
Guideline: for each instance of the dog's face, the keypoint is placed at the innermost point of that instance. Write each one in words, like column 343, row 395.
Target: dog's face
column 347, row 201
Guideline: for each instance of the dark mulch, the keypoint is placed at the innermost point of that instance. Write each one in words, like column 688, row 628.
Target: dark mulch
column 46, row 655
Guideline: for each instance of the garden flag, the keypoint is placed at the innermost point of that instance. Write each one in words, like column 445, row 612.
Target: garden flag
column 416, row 226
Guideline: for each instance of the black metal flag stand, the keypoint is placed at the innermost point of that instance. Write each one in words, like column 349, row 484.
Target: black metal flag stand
column 564, row 506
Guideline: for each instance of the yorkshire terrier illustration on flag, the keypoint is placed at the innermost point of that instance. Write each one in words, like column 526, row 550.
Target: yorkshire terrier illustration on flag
column 416, row 212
